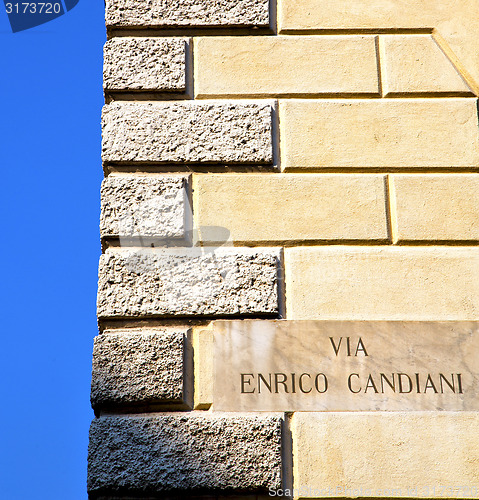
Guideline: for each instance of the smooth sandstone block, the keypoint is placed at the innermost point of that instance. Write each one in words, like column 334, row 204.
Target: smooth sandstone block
column 192, row 451
column 283, row 66
column 187, row 132
column 416, row 64
column 389, row 283
column 145, row 64
column 203, row 366
column 379, row 133
column 139, row 368
column 137, row 206
column 436, row 207
column 455, row 23
column 290, row 207
column 187, row 13
column 389, row 455
column 351, row 14
column 188, row 281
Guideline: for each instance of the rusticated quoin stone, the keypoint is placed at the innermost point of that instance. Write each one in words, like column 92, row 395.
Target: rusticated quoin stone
column 161, row 13
column 144, row 367
column 138, row 205
column 188, row 281
column 144, row 64
column 187, row 132
column 147, row 454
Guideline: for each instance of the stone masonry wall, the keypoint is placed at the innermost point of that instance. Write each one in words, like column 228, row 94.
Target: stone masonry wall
column 295, row 159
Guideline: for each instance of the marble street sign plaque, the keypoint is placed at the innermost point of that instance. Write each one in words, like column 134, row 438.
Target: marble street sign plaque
column 262, row 365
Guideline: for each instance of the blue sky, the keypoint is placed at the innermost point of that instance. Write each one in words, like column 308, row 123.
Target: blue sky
column 51, row 98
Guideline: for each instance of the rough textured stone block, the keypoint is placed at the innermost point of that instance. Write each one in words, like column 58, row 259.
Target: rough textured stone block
column 184, row 452
column 310, row 207
column 389, row 283
column 134, row 206
column 292, row 65
column 436, row 207
column 190, row 281
column 187, row 132
column 379, row 133
column 455, row 25
column 389, row 455
column 145, row 64
column 141, row 367
column 194, row 13
column 416, row 64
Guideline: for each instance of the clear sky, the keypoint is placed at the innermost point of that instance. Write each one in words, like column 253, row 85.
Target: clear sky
column 51, row 98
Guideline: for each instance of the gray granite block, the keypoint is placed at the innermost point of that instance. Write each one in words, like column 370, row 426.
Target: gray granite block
column 188, row 281
column 187, row 132
column 143, row 63
column 194, row 13
column 134, row 206
column 139, row 367
column 189, row 451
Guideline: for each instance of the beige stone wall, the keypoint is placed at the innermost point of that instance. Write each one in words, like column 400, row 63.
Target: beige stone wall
column 376, row 147
column 330, row 149
column 375, row 200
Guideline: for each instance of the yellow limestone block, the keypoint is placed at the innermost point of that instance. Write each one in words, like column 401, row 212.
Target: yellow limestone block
column 389, row 455
column 455, row 22
column 416, row 64
column 203, row 366
column 362, row 14
column 285, row 65
column 379, row 133
column 382, row 283
column 290, row 207
column 436, row 207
